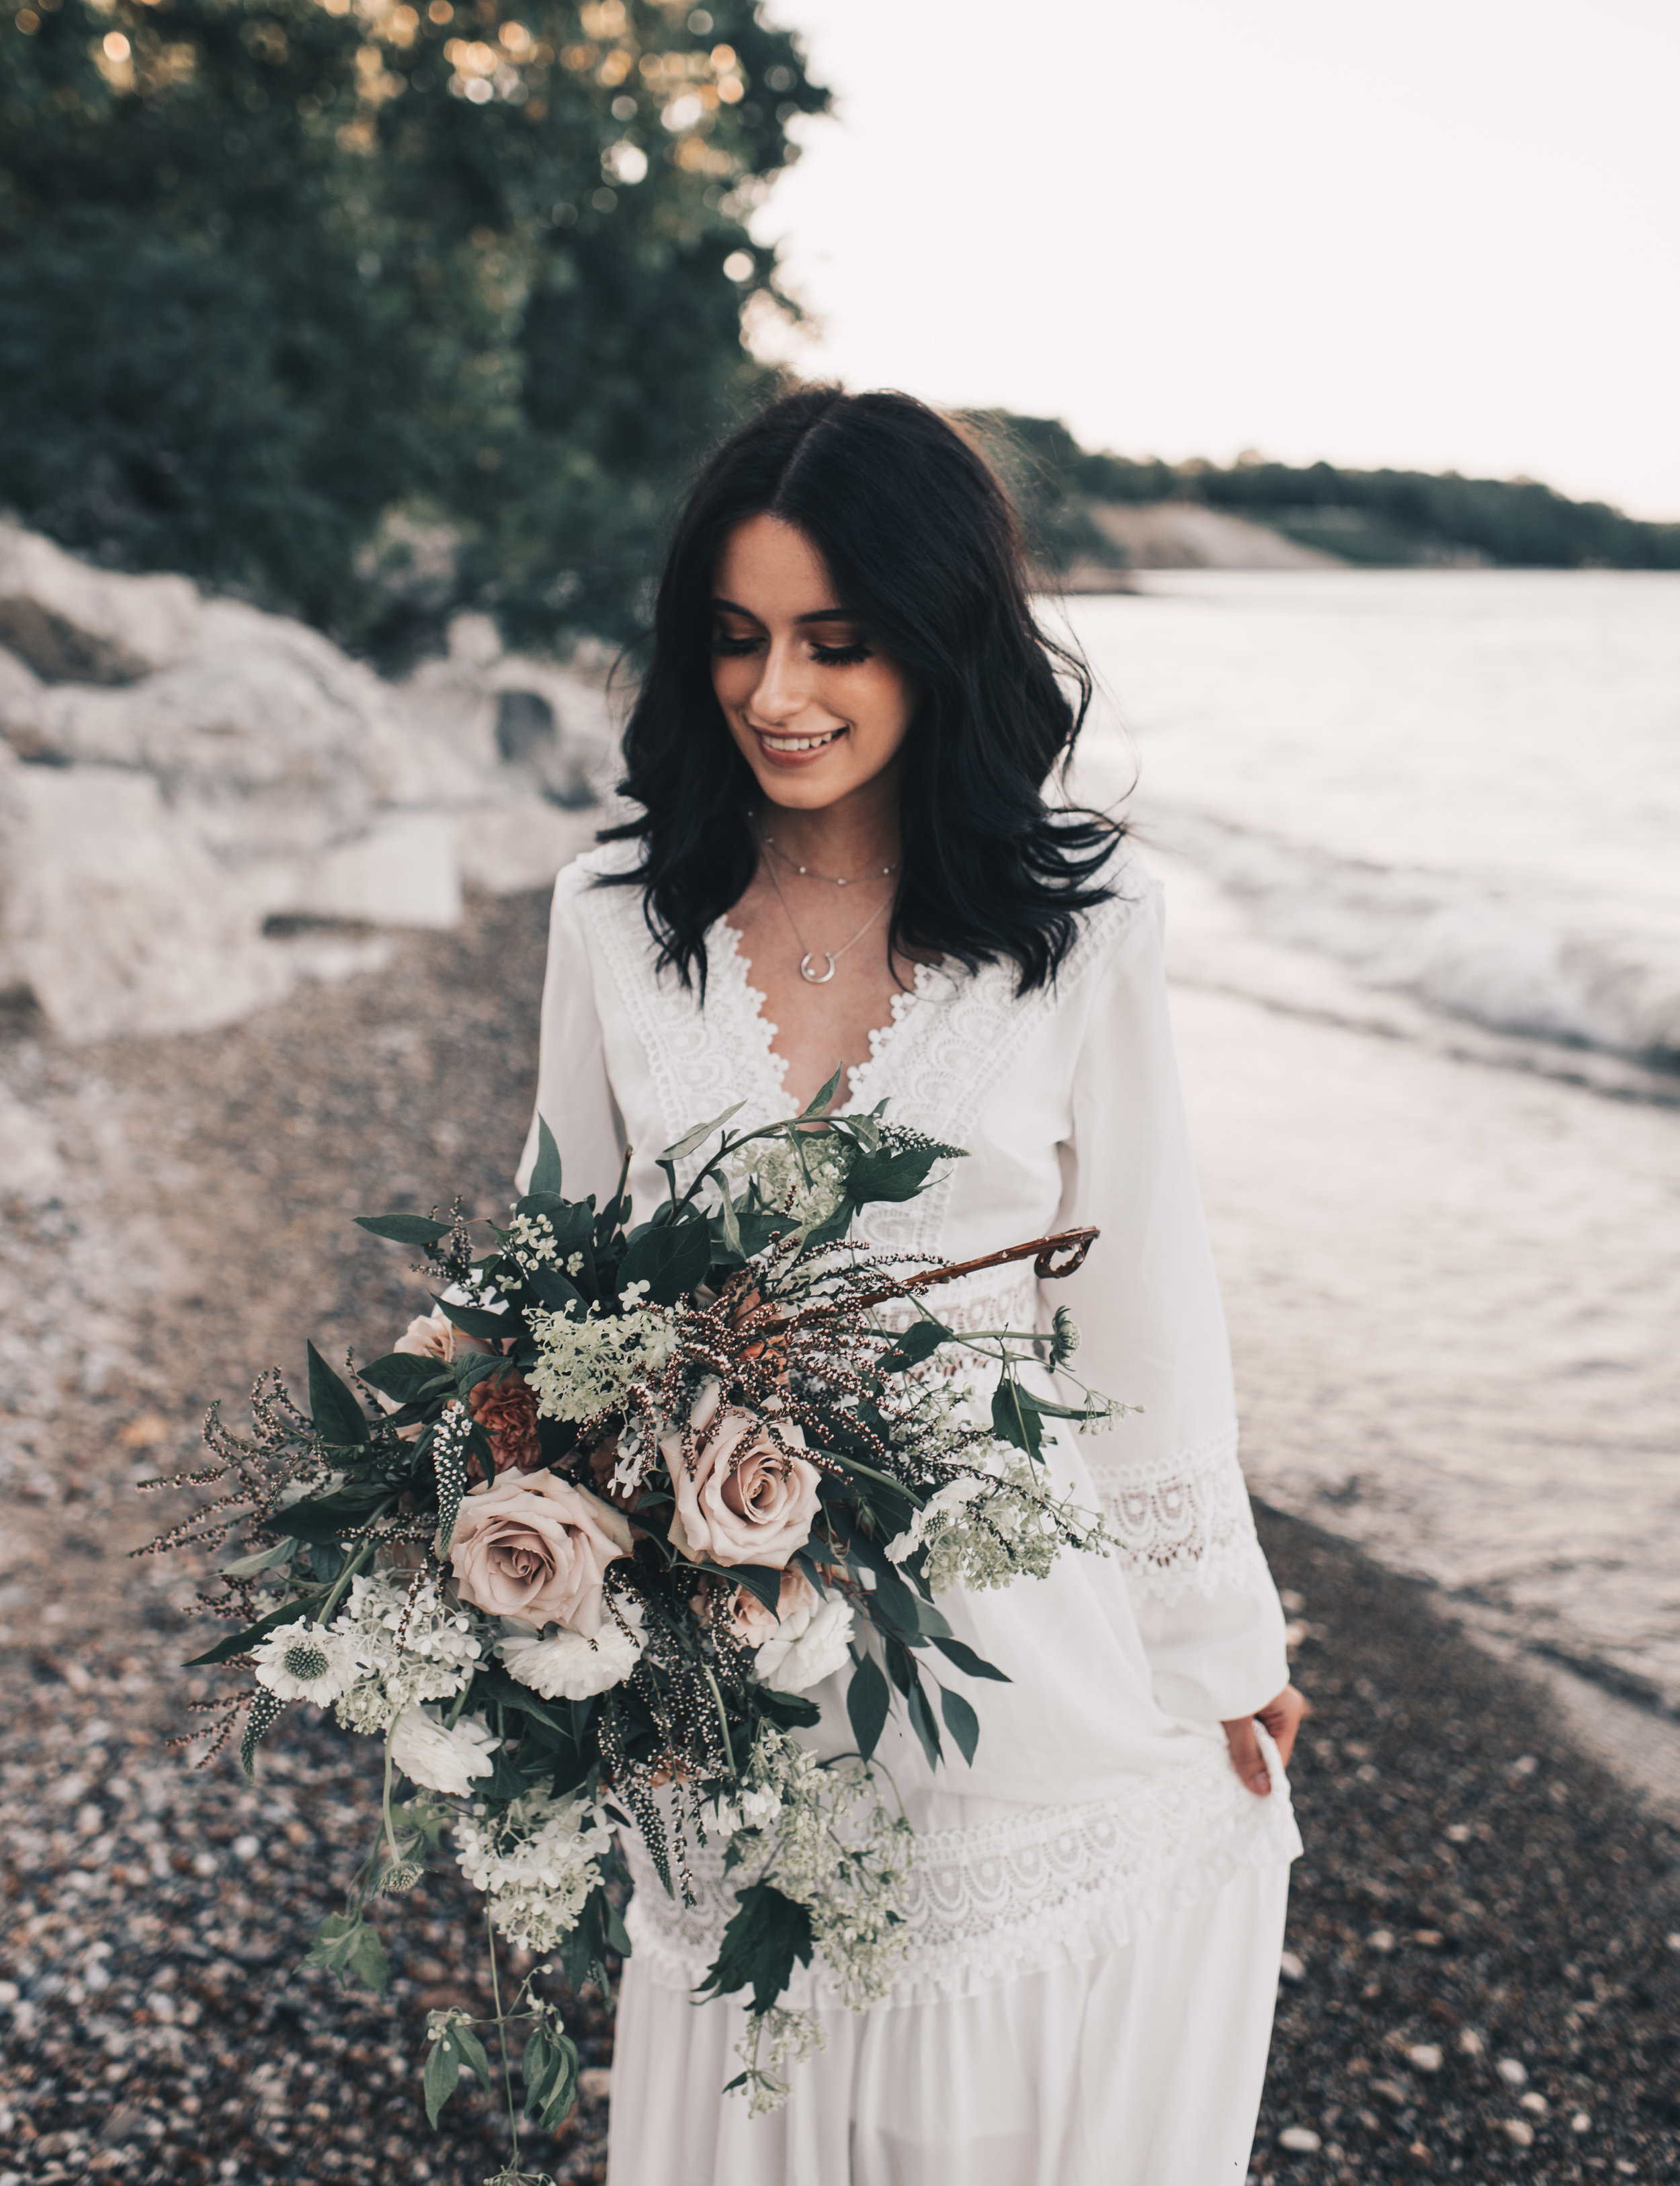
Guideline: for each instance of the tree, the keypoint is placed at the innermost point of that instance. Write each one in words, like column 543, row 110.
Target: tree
column 288, row 286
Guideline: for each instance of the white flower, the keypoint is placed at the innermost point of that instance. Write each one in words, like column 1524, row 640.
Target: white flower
column 301, row 1661
column 811, row 1644
column 441, row 1759
column 955, row 1495
column 539, row 1860
column 410, row 1645
column 567, row 1666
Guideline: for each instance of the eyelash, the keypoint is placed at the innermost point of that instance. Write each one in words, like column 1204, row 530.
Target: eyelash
column 827, row 656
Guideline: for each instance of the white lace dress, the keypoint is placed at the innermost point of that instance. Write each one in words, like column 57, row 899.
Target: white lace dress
column 1097, row 1905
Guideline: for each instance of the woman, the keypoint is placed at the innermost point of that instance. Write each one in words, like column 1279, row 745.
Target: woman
column 843, row 859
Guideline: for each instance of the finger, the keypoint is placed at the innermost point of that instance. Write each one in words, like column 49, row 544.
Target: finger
column 1282, row 1718
column 1246, row 1758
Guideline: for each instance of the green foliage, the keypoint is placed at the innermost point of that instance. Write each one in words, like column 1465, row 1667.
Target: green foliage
column 339, row 1419
column 767, row 1933
column 1379, row 518
column 372, row 311
column 348, row 1948
column 868, row 1698
column 455, row 2049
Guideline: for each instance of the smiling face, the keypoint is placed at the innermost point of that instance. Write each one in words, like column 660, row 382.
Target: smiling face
column 818, row 712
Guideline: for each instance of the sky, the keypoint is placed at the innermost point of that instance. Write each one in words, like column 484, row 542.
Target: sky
column 1442, row 235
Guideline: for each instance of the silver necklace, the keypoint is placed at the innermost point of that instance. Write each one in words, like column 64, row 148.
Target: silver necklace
column 835, row 880
column 831, row 957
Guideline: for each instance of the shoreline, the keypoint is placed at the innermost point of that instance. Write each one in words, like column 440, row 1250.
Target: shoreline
column 165, row 2031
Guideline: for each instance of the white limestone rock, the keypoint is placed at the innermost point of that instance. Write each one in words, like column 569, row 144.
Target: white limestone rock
column 72, row 623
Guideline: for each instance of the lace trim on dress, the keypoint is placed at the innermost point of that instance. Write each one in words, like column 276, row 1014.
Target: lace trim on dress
column 1050, row 1886
column 1184, row 1522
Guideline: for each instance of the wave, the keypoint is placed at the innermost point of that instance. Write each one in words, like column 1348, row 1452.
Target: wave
column 1509, row 959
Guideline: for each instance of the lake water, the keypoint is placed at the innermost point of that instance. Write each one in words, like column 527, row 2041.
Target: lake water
column 1419, row 833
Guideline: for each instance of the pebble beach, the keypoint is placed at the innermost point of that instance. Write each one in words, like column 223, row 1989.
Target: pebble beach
column 1482, row 1973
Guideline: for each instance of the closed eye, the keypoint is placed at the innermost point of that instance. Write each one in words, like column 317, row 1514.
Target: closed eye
column 840, row 656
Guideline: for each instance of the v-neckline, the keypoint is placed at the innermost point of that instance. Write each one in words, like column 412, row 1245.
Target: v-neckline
column 753, row 1005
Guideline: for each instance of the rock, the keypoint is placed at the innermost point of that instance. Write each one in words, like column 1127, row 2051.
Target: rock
column 1300, row 2140
column 403, row 871
column 1425, row 2057
column 1518, row 2130
column 1291, row 1967
column 1512, row 2071
column 31, row 1168
column 1182, row 535
column 71, row 622
column 113, row 914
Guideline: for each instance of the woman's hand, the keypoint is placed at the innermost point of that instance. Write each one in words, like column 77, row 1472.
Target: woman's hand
column 1282, row 1718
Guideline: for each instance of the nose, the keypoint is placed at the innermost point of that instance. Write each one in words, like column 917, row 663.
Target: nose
column 781, row 693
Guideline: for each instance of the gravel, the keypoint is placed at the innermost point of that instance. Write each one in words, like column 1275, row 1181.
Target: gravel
column 1479, row 1979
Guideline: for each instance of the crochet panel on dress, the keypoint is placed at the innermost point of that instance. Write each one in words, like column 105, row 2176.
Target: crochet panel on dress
column 1184, row 1522
column 984, row 1906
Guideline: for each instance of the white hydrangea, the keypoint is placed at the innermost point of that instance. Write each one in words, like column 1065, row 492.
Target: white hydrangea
column 941, row 1506
column 538, row 1860
column 301, row 1661
column 567, row 1666
column 811, row 1644
column 424, row 1649
column 441, row 1758
column 589, row 1365
column 806, row 1184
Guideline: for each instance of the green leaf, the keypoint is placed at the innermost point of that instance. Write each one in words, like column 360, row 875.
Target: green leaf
column 965, row 1658
column 329, row 1517
column 758, row 1579
column 442, row 2076
column 259, row 1560
column 1013, row 1420
column 339, row 1418
column 768, row 1932
column 729, row 1225
column 868, row 1698
column 407, row 1378
column 699, row 1135
column 545, row 1170
column 671, row 1257
column 961, row 1722
column 920, row 1340
column 887, row 1173
column 404, row 1229
column 474, row 1321
column 242, row 1642
column 472, row 2055
column 906, row 1611
column 922, row 1722
column 818, row 1103
column 344, row 1944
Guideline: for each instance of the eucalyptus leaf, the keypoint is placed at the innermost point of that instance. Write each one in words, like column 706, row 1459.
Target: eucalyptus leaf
column 920, row 1340
column 241, row 1642
column 699, row 1135
column 339, row 1418
column 259, row 1560
column 922, row 1722
column 474, row 1321
column 961, row 1722
column 404, row 1229
column 545, row 1173
column 965, row 1658
column 868, row 1699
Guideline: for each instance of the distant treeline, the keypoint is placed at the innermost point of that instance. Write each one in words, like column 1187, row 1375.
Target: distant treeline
column 1385, row 518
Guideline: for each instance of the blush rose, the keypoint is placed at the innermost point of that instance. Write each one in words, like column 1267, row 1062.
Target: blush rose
column 530, row 1546
column 747, row 1496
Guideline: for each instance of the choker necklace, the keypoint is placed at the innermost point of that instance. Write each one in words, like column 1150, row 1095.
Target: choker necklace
column 831, row 957
column 835, row 880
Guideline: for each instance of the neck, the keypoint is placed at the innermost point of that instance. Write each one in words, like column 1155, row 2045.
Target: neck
column 855, row 836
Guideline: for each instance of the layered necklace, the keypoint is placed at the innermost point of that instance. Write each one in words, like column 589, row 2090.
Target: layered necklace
column 828, row 958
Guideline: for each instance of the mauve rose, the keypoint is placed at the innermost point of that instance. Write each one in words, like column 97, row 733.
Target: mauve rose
column 506, row 1411
column 530, row 1546
column 750, row 1498
column 748, row 1618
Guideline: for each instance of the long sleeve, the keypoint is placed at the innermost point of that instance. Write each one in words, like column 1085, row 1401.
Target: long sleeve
column 1153, row 1334
column 574, row 1092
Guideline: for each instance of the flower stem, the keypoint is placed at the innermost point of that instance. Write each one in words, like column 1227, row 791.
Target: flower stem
column 350, row 1571
column 723, row 1719
column 501, row 2037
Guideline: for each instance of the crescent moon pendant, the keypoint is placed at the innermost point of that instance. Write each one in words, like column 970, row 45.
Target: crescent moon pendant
column 816, row 978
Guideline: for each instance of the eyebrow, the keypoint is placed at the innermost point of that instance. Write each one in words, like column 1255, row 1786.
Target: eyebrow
column 822, row 614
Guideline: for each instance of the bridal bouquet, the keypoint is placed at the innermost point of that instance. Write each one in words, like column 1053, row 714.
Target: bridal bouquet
column 578, row 1549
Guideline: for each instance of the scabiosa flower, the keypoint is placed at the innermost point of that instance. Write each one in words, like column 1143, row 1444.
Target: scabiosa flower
column 302, row 1661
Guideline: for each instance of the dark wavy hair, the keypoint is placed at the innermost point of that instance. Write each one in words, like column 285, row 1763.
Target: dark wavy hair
column 925, row 550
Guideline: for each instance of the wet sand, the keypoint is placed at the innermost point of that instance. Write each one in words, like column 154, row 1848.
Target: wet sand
column 1476, row 1891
